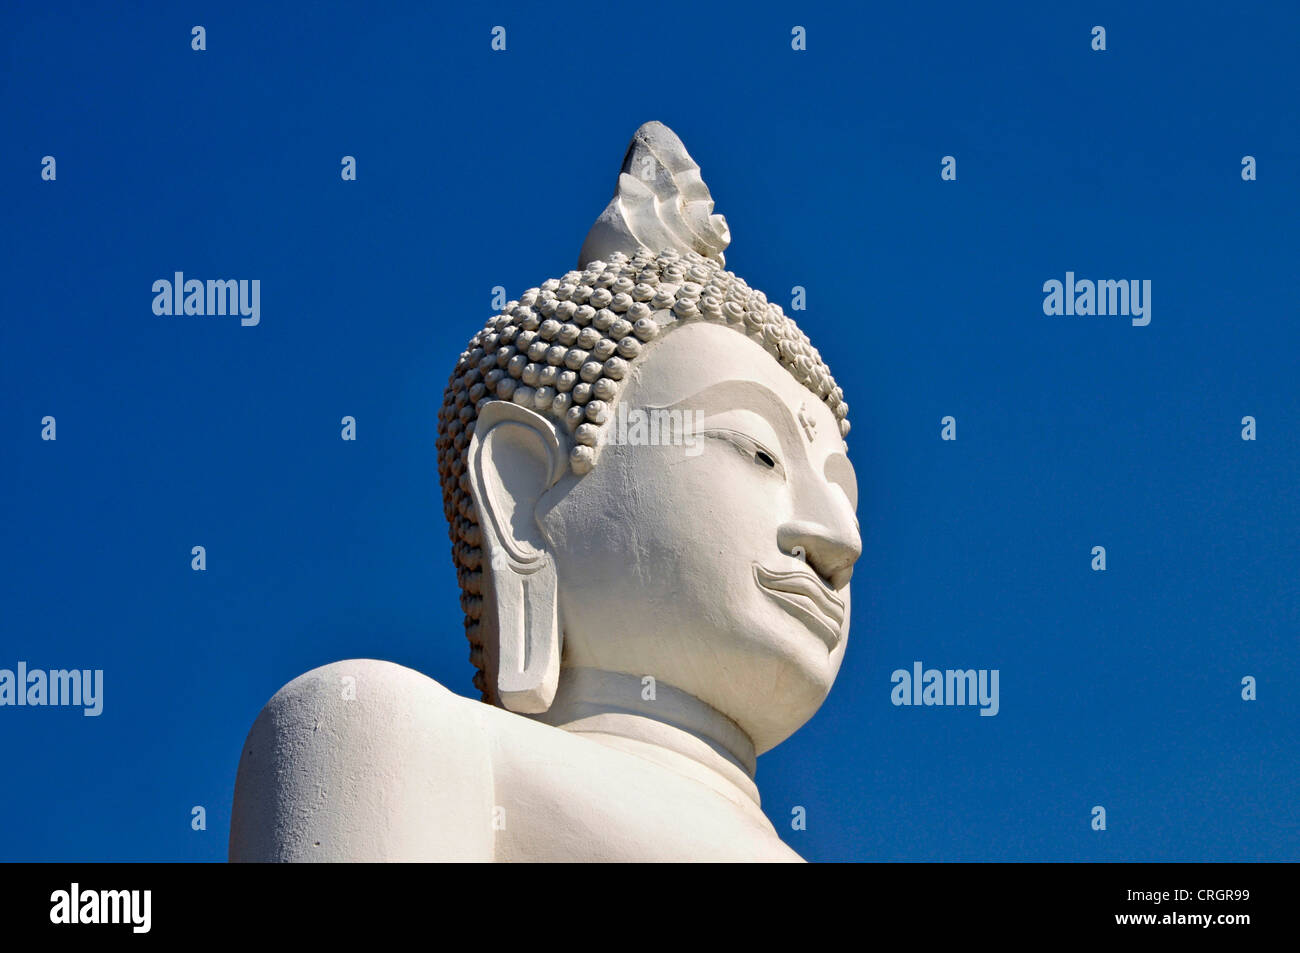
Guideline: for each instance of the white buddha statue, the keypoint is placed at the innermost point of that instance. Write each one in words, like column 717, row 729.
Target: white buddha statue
column 652, row 518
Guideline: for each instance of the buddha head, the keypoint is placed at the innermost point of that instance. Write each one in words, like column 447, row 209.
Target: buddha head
column 644, row 469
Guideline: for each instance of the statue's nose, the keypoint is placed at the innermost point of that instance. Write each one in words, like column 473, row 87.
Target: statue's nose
column 830, row 547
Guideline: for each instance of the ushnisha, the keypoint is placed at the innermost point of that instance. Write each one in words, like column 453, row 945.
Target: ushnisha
column 644, row 620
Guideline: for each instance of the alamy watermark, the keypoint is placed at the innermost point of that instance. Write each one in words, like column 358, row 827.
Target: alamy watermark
column 81, row 688
column 931, row 686
column 658, row 427
column 213, row 297
column 1106, row 296
column 127, row 907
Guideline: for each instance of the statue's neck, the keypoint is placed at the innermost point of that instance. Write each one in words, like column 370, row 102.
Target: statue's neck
column 665, row 725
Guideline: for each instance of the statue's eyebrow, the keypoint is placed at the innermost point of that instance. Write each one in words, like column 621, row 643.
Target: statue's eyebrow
column 738, row 393
column 836, row 469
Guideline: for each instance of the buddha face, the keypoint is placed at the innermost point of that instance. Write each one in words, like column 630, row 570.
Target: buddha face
column 718, row 558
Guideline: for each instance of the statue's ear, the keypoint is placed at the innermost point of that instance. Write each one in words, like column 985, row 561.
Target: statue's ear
column 515, row 456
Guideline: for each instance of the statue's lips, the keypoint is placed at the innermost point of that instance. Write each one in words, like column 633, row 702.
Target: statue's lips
column 802, row 594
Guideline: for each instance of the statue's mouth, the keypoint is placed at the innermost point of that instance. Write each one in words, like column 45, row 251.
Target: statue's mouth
column 804, row 596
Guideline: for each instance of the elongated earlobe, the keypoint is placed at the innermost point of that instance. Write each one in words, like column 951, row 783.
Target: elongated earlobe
column 514, row 457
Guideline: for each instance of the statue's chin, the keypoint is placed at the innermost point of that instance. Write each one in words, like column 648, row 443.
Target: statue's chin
column 771, row 682
column 786, row 687
column 764, row 662
column 774, row 667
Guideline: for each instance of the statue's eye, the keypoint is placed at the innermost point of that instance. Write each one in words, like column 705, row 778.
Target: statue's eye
column 749, row 448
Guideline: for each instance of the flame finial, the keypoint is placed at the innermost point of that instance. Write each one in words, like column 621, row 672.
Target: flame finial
column 660, row 202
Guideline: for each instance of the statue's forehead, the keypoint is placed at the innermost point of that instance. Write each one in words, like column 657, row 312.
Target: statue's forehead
column 699, row 356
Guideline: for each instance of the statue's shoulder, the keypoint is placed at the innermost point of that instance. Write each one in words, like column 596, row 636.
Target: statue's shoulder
column 365, row 760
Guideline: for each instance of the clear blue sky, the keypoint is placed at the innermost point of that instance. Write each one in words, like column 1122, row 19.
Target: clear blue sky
column 1118, row 688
